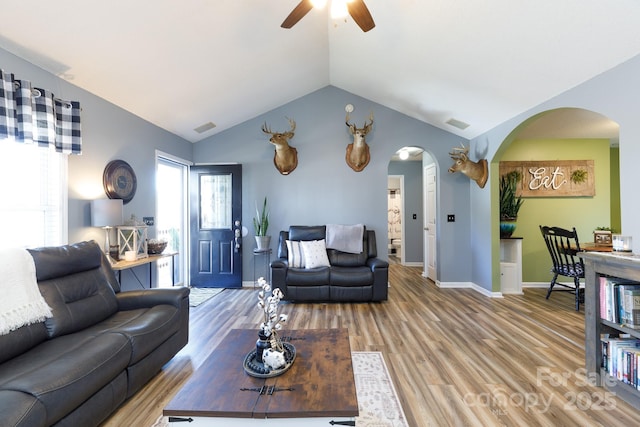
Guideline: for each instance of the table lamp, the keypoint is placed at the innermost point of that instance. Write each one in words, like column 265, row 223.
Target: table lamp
column 106, row 213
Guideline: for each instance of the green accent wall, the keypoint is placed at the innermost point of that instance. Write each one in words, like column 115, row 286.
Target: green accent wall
column 614, row 160
column 583, row 213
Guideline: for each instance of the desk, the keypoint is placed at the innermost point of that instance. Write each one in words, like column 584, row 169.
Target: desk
column 125, row 265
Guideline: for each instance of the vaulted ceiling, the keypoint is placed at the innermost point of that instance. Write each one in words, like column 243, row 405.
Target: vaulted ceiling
column 181, row 64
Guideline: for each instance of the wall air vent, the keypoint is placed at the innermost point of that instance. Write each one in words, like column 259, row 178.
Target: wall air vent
column 205, row 127
column 457, row 123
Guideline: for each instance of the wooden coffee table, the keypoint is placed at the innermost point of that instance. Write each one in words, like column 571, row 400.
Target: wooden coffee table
column 318, row 389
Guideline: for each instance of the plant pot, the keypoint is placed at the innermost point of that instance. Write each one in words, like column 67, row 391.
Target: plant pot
column 263, row 242
column 507, row 227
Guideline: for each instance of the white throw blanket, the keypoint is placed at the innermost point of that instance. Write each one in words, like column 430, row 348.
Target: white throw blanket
column 20, row 300
column 345, row 238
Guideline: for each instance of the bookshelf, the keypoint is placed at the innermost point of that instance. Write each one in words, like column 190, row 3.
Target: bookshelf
column 598, row 264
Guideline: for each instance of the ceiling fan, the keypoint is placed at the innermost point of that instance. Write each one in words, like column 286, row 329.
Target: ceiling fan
column 357, row 9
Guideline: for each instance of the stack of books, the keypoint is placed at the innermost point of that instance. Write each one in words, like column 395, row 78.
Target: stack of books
column 620, row 356
column 620, row 301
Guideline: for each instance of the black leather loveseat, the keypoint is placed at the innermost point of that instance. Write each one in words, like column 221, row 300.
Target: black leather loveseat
column 354, row 277
column 98, row 349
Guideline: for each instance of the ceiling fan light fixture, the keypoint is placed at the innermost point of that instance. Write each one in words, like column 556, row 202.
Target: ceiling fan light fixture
column 319, row 4
column 339, row 9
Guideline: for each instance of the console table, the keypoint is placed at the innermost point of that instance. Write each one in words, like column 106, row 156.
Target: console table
column 118, row 266
column 318, row 390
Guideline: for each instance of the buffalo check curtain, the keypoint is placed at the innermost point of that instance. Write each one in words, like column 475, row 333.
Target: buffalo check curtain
column 34, row 115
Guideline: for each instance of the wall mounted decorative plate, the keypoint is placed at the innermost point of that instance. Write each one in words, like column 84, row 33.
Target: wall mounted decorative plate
column 119, row 181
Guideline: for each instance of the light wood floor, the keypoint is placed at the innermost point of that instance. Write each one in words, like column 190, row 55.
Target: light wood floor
column 457, row 358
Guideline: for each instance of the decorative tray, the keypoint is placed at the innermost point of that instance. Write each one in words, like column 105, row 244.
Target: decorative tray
column 259, row 370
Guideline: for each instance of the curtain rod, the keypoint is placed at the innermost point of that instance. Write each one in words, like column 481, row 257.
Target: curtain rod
column 36, row 94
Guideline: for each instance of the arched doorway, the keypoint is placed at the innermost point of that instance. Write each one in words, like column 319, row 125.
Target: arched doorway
column 563, row 134
column 411, row 240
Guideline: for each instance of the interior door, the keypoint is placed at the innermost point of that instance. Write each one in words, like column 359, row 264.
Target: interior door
column 215, row 226
column 430, row 206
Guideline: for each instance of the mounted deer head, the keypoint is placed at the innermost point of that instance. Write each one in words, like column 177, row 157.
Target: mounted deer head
column 285, row 158
column 358, row 156
column 477, row 171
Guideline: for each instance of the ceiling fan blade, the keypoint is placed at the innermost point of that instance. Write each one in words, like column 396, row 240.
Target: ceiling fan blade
column 359, row 12
column 297, row 14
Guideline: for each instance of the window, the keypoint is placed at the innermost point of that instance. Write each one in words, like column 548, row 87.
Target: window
column 171, row 216
column 33, row 209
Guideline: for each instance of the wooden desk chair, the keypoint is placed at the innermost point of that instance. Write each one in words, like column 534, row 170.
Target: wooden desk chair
column 563, row 246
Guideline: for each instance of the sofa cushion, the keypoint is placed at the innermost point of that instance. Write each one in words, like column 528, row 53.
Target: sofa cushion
column 78, row 301
column 345, row 259
column 59, row 261
column 307, row 232
column 315, row 254
column 21, row 410
column 74, row 284
column 351, row 276
column 295, row 256
column 61, row 373
column 307, row 277
column 145, row 328
column 21, row 340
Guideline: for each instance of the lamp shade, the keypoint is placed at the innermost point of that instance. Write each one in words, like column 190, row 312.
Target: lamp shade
column 106, row 212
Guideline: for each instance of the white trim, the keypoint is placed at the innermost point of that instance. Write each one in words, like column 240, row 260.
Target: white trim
column 546, row 284
column 414, row 264
column 535, row 284
column 468, row 285
column 172, row 158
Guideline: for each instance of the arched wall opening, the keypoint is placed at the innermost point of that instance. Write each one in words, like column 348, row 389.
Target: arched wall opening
column 560, row 134
column 406, row 236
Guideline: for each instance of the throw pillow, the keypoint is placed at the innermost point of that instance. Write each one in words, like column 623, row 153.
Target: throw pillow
column 295, row 254
column 315, row 253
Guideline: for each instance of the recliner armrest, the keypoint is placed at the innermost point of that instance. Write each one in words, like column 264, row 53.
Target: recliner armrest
column 377, row 263
column 280, row 263
column 146, row 298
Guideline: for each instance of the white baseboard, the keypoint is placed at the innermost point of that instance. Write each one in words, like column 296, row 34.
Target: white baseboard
column 535, row 284
column 469, row 285
column 413, row 264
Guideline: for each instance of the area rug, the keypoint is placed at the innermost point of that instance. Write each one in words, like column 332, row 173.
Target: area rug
column 200, row 295
column 378, row 401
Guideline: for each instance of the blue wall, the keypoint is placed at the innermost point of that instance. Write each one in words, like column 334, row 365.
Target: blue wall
column 323, row 189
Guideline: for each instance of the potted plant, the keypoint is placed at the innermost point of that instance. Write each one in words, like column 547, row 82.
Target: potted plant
column 261, row 225
column 509, row 203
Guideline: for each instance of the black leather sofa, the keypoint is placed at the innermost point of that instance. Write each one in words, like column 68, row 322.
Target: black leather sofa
column 350, row 277
column 98, row 349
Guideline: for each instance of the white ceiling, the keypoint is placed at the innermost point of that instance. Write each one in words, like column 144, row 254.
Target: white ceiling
column 183, row 63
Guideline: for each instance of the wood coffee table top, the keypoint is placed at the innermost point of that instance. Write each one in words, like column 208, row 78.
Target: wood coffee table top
column 320, row 383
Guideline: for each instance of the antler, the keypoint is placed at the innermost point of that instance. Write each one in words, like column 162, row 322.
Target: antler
column 292, row 123
column 459, row 153
column 366, row 126
column 266, row 129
